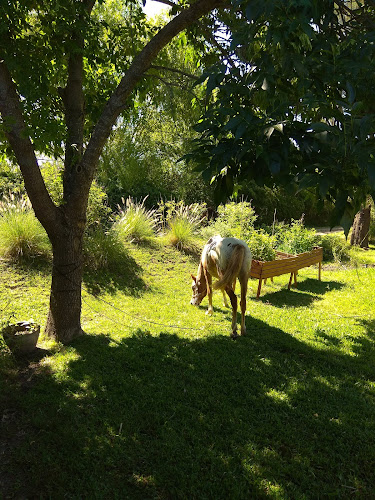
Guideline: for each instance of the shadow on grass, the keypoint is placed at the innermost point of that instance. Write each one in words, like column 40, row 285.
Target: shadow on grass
column 288, row 298
column 31, row 266
column 125, row 275
column 319, row 287
column 168, row 417
column 303, row 295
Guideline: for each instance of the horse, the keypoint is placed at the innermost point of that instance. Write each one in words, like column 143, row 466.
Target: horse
column 226, row 259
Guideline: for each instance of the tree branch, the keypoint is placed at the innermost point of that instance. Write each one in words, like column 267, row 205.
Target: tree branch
column 167, row 2
column 174, row 70
column 136, row 72
column 18, row 137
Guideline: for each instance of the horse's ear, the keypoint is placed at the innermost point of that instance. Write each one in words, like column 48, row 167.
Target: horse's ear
column 193, row 278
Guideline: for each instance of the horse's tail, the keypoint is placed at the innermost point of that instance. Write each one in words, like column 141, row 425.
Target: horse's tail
column 233, row 268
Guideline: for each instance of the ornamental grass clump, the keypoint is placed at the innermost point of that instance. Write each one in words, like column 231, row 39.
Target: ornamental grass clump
column 181, row 222
column 134, row 222
column 21, row 234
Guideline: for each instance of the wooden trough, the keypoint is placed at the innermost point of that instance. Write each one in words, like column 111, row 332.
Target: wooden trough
column 284, row 264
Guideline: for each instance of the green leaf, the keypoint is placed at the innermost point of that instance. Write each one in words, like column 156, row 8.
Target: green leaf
column 319, row 127
column 371, row 174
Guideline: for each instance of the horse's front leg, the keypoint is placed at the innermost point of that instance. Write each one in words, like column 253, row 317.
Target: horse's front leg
column 208, row 277
column 225, row 301
column 233, row 300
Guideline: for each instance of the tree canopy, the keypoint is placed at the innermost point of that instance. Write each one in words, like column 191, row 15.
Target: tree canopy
column 294, row 103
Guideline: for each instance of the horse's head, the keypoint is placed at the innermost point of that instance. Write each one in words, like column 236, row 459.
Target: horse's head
column 199, row 288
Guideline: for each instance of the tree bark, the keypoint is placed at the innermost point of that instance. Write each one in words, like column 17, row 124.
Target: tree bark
column 64, row 317
column 361, row 228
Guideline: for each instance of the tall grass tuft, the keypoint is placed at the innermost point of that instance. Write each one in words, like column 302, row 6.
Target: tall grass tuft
column 134, row 222
column 182, row 222
column 21, row 234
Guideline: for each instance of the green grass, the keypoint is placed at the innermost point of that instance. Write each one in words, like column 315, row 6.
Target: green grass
column 158, row 402
column 22, row 236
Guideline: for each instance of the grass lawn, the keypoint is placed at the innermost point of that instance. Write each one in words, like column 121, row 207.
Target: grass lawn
column 157, row 402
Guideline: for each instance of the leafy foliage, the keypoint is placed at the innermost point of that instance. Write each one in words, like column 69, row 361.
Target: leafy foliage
column 335, row 248
column 262, row 245
column 234, row 219
column 295, row 238
column 297, row 105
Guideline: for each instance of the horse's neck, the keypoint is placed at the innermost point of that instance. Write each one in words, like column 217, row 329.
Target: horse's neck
column 200, row 274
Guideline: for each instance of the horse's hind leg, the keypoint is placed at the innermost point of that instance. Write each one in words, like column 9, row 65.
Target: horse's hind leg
column 233, row 300
column 243, row 305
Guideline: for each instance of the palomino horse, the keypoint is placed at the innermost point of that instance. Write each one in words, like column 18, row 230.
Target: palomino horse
column 226, row 259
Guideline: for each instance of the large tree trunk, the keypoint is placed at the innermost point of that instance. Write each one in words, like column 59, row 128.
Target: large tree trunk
column 361, row 228
column 64, row 317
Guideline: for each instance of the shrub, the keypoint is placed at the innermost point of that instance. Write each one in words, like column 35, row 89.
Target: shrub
column 296, row 238
column 97, row 207
column 262, row 246
column 21, row 234
column 335, row 248
column 234, row 219
column 134, row 222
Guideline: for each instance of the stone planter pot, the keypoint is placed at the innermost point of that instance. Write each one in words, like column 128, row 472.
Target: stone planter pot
column 21, row 337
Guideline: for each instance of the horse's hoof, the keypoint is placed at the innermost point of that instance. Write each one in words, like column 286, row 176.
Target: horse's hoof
column 209, row 312
column 234, row 335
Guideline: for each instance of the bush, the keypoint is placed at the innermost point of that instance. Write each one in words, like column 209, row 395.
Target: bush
column 295, row 238
column 97, row 208
column 11, row 180
column 335, row 248
column 134, row 222
column 21, row 234
column 262, row 246
column 234, row 219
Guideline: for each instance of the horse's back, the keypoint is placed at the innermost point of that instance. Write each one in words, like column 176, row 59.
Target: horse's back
column 219, row 250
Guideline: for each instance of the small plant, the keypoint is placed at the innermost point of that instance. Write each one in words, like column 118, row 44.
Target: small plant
column 134, row 222
column 21, row 234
